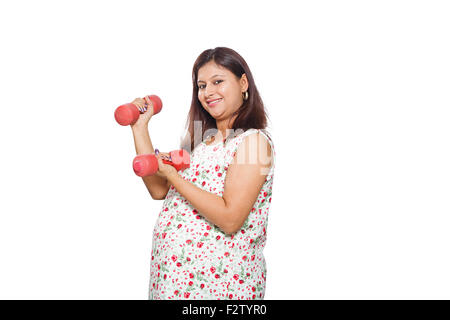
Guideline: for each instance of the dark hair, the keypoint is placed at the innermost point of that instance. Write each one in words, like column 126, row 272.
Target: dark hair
column 251, row 114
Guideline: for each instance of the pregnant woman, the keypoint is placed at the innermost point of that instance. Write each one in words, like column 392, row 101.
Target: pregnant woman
column 210, row 234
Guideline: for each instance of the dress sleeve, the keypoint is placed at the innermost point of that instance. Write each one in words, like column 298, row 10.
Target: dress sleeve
column 234, row 145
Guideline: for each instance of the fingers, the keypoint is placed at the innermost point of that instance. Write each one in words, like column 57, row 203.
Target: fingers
column 140, row 104
column 162, row 155
column 148, row 103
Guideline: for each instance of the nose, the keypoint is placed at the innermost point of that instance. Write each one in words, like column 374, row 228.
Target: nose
column 209, row 92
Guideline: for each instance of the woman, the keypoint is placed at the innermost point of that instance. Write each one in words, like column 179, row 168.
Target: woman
column 211, row 231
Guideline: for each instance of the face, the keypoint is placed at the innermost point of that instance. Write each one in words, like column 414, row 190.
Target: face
column 216, row 82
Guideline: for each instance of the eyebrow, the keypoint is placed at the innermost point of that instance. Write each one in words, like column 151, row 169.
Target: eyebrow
column 216, row 75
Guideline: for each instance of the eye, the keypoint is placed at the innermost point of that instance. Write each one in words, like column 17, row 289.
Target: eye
column 202, row 86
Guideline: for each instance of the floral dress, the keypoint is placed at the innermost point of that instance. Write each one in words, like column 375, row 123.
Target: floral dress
column 192, row 258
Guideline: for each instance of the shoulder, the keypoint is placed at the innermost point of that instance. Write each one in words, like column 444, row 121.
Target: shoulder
column 255, row 147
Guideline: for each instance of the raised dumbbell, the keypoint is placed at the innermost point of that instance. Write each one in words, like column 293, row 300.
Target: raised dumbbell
column 147, row 164
column 128, row 113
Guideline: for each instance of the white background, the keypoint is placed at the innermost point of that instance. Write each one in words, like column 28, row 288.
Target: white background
column 358, row 97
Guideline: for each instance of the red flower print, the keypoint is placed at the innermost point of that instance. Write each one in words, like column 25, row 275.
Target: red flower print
column 217, row 168
column 241, row 281
column 244, row 258
column 242, row 231
column 253, row 289
column 197, row 173
column 218, row 238
column 265, row 194
column 225, row 271
column 179, row 226
column 168, row 223
column 217, row 276
column 174, row 258
column 187, row 294
column 226, row 254
column 188, row 259
column 166, row 209
column 202, row 286
column 164, row 235
column 191, row 283
column 250, row 226
column 208, row 228
column 165, row 276
column 254, row 296
column 191, row 275
column 219, row 174
column 251, row 240
column 197, row 217
column 200, row 244
column 253, row 257
column 188, row 241
column 236, row 276
column 175, row 292
column 203, row 183
column 195, row 179
column 248, row 274
column 213, row 269
column 230, row 296
column 194, row 211
column 175, row 204
column 206, row 234
column 178, row 264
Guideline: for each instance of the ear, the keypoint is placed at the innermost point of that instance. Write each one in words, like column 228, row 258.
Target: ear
column 244, row 83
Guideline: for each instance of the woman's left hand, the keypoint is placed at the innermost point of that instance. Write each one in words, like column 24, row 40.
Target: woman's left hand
column 164, row 170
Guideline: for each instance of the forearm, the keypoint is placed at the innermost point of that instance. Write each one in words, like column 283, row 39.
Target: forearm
column 209, row 205
column 156, row 186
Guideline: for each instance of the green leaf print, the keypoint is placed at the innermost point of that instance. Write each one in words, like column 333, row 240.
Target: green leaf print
column 242, row 274
column 244, row 226
column 189, row 288
column 182, row 256
column 200, row 276
column 164, row 268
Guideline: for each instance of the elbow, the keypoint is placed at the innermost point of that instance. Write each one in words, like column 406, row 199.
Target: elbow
column 157, row 196
column 232, row 227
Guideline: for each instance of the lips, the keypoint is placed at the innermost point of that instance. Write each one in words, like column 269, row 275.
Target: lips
column 213, row 101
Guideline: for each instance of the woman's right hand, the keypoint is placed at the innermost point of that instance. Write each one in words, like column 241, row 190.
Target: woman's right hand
column 144, row 105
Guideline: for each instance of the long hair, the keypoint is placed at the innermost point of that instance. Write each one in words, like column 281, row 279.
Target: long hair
column 251, row 114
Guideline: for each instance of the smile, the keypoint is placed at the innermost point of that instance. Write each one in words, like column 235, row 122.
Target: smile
column 213, row 103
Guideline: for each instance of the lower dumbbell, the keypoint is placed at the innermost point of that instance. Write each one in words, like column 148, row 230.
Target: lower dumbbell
column 147, row 164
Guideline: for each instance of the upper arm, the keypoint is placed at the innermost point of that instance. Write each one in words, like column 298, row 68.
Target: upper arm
column 245, row 177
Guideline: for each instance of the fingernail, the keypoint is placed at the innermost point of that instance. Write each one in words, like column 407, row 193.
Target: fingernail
column 156, row 151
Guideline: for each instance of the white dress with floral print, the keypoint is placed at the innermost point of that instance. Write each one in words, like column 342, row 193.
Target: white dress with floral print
column 192, row 258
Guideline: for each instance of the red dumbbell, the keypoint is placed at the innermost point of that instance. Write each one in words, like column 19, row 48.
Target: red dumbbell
column 147, row 164
column 128, row 113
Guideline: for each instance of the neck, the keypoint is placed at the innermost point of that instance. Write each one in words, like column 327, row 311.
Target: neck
column 223, row 125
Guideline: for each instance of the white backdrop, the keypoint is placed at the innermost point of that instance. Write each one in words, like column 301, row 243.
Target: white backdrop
column 358, row 97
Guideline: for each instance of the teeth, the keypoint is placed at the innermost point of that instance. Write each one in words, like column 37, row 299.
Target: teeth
column 214, row 101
